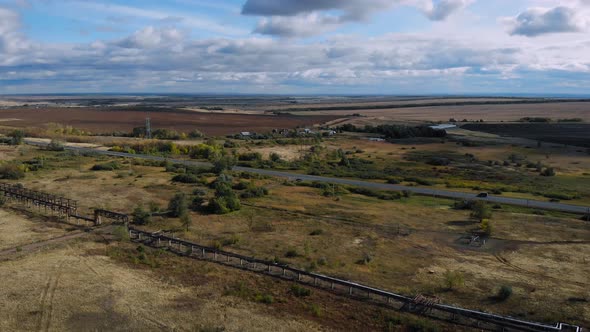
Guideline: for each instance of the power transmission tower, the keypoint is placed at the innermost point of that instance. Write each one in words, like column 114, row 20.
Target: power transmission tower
column 148, row 128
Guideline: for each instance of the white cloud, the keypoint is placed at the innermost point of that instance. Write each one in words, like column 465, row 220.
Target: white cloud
column 303, row 18
column 168, row 59
column 541, row 21
column 444, row 8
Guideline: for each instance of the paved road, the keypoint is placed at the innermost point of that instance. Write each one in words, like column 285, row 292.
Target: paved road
column 371, row 185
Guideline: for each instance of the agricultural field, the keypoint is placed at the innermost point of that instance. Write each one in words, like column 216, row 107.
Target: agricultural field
column 577, row 134
column 507, row 112
column 99, row 121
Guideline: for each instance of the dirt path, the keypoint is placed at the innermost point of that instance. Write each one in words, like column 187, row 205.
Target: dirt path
column 4, row 254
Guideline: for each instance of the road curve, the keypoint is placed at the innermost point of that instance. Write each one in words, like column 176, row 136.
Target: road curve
column 578, row 209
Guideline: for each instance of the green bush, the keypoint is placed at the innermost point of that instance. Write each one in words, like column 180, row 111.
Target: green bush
column 291, row 253
column 254, row 192
column 453, row 279
column 141, row 216
column 178, row 205
column 11, row 171
column 504, row 293
column 17, row 137
column 55, row 145
column 316, row 232
column 110, row 166
column 481, row 210
column 264, row 298
column 316, row 310
column 186, row 178
column 549, row 171
column 299, row 291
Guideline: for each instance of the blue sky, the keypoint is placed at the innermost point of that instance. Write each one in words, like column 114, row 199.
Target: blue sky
column 295, row 46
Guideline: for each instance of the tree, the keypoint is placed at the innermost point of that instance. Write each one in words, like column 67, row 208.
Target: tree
column 178, row 205
column 225, row 199
column 186, row 221
column 480, row 210
column 222, row 164
column 141, row 216
column 17, row 137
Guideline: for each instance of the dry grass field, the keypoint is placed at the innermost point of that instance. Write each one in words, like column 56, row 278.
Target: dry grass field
column 411, row 242
column 96, row 283
column 19, row 229
column 488, row 113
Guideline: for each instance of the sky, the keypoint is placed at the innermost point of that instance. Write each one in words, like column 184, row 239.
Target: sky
column 358, row 47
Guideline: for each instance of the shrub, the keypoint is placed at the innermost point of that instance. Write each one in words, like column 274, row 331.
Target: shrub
column 463, row 205
column 486, row 226
column 195, row 134
column 264, row 298
column 316, row 232
column 17, row 137
column 253, row 192
column 55, row 145
column 250, row 156
column 186, row 178
column 436, row 161
column 141, row 216
column 316, row 310
column 178, row 205
column 275, row 157
column 299, row 291
column 2, row 201
column 291, row 253
column 453, row 279
column 549, row 171
column 392, row 181
column 504, row 293
column 233, row 240
column 11, row 171
column 365, row 260
column 186, row 221
column 110, row 166
column 480, row 210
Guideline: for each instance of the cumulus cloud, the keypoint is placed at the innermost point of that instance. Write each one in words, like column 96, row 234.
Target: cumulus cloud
column 9, row 31
column 302, row 18
column 539, row 21
column 441, row 10
column 297, row 26
column 167, row 59
column 351, row 9
column 151, row 37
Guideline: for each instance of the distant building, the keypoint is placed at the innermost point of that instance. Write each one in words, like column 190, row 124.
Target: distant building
column 376, row 139
column 245, row 134
column 444, row 126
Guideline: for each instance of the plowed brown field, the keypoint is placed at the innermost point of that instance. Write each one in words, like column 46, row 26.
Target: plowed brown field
column 104, row 120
